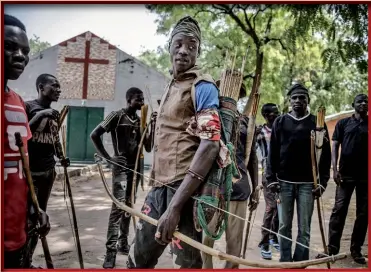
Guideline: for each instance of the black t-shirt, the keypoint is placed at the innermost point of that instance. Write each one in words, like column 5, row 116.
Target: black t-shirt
column 41, row 146
column 352, row 134
column 289, row 157
column 125, row 133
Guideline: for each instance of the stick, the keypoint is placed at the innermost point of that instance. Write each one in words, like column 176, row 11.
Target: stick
column 251, row 124
column 247, row 234
column 69, row 190
column 315, row 158
column 63, row 115
column 144, row 111
column 27, row 172
column 211, row 251
column 133, row 189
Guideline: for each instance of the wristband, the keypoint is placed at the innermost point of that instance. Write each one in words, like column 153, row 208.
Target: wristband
column 195, row 175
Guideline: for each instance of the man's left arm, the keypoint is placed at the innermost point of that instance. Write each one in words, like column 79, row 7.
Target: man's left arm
column 208, row 124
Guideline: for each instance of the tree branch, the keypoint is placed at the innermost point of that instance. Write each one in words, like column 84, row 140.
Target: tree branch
column 269, row 24
column 248, row 76
column 267, row 40
column 215, row 15
column 248, row 30
column 256, row 14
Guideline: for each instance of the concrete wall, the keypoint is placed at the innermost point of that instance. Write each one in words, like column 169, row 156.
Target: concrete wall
column 130, row 72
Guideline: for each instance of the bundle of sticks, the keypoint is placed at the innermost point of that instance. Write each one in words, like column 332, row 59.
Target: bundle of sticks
column 62, row 115
column 231, row 78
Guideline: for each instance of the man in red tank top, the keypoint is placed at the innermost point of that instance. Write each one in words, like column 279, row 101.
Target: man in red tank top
column 16, row 49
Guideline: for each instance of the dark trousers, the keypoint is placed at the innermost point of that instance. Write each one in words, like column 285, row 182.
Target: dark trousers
column 14, row 259
column 340, row 211
column 270, row 220
column 145, row 251
column 43, row 183
column 119, row 220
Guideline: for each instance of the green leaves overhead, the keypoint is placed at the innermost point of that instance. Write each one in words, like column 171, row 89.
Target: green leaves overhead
column 37, row 46
column 322, row 46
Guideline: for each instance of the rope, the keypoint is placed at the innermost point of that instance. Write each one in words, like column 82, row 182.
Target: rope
column 231, row 214
column 213, row 201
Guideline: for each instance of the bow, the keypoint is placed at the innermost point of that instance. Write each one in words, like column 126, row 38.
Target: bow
column 61, row 151
column 139, row 155
column 26, row 169
column 208, row 250
column 316, row 145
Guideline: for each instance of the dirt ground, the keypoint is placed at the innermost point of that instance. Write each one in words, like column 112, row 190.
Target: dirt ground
column 93, row 206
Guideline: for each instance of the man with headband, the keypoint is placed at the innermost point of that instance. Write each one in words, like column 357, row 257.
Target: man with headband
column 270, row 221
column 289, row 172
column 186, row 145
column 352, row 134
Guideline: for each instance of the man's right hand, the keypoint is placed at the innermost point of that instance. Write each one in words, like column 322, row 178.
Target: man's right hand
column 337, row 177
column 44, row 225
column 51, row 113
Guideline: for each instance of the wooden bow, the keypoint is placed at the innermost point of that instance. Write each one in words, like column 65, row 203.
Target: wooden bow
column 139, row 157
column 62, row 157
column 216, row 253
column 316, row 151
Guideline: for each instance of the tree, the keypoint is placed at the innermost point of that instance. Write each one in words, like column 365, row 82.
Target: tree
column 347, row 31
column 37, row 46
column 276, row 44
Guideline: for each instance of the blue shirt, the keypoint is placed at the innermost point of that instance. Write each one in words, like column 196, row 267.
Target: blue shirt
column 207, row 96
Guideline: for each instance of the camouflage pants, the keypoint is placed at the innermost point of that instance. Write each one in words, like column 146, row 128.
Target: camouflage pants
column 119, row 220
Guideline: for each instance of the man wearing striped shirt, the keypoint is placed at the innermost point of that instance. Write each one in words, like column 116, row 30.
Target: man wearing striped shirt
column 270, row 221
column 124, row 126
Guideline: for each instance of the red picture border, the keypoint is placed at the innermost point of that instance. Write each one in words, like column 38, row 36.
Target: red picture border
column 162, row 2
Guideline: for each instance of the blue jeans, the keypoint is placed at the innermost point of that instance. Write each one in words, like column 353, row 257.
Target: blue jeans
column 302, row 193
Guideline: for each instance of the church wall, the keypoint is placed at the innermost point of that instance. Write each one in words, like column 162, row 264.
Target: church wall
column 128, row 72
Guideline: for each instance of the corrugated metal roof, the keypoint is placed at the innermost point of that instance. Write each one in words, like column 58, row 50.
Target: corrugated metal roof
column 339, row 115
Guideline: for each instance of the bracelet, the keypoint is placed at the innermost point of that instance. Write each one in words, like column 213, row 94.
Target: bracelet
column 195, row 175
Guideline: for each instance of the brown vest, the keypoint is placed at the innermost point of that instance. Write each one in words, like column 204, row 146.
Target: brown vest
column 174, row 147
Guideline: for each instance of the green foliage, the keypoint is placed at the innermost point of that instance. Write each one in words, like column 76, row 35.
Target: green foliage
column 322, row 46
column 37, row 46
column 344, row 26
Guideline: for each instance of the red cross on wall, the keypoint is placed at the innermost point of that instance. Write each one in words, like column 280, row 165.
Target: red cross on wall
column 86, row 62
